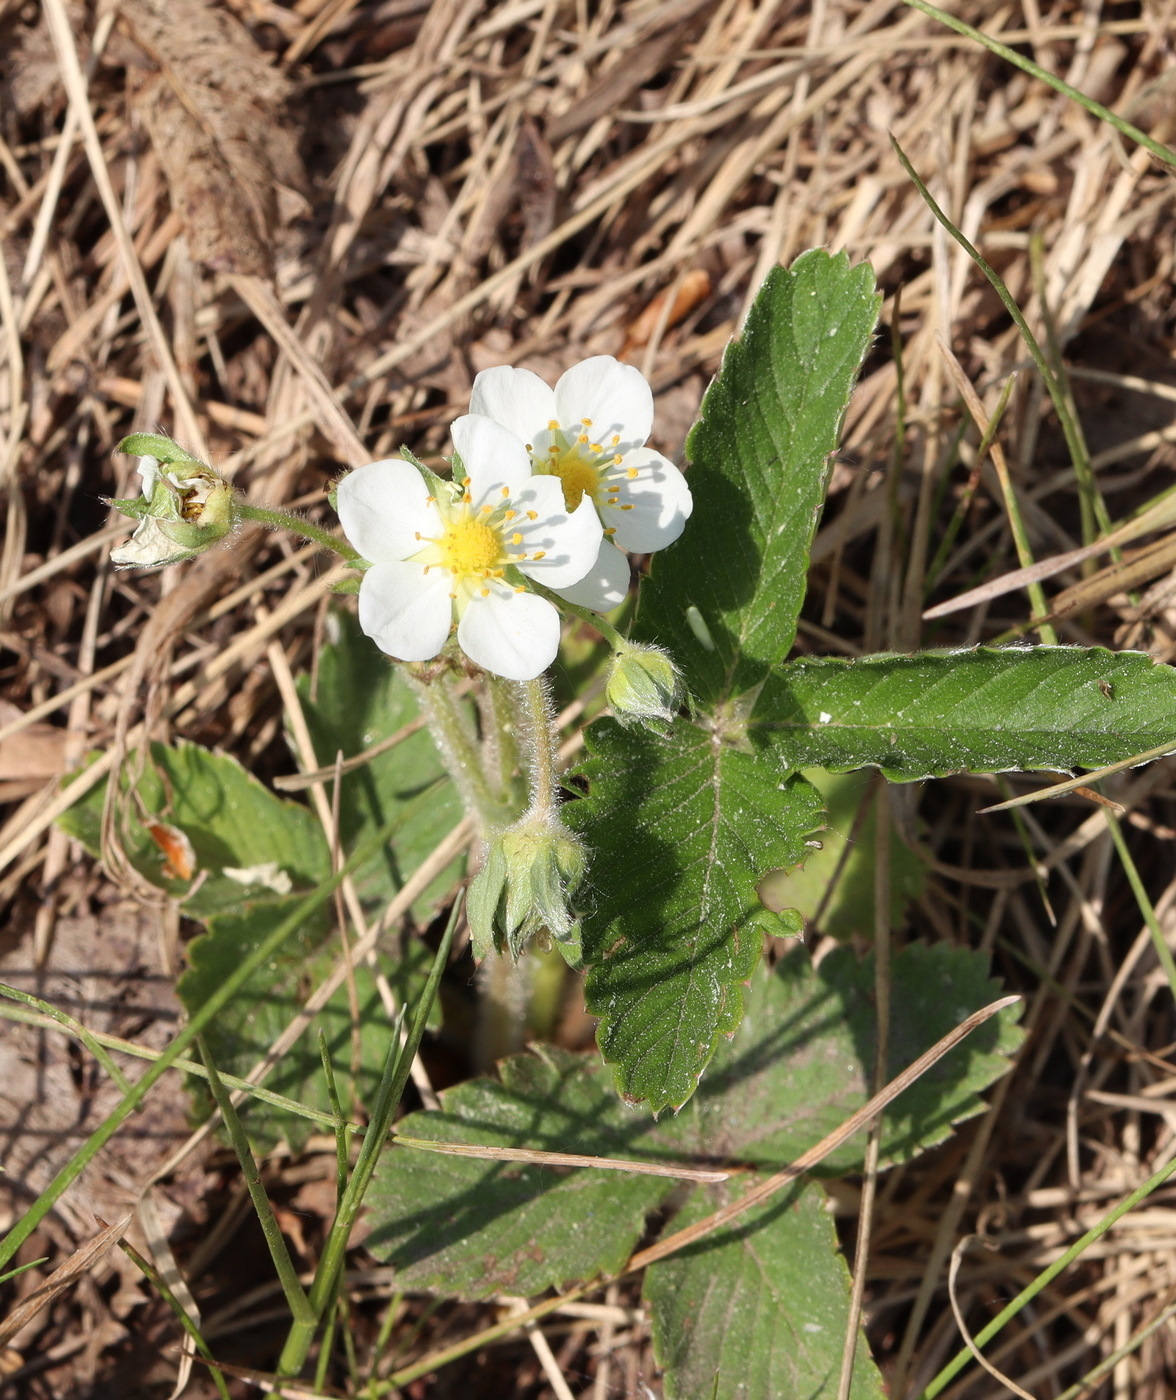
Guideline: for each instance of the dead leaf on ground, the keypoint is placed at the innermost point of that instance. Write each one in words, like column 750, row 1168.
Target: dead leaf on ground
column 214, row 111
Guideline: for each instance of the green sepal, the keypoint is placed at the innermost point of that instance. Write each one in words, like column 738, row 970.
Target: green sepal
column 163, row 449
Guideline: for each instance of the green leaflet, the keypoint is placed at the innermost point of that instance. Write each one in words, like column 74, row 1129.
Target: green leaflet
column 759, row 1311
column 681, row 829
column 758, row 463
column 470, row 1227
column 981, row 711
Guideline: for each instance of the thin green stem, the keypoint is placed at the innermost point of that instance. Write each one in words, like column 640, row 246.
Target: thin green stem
column 453, row 733
column 1069, row 428
column 212, row 1008
column 1142, row 899
column 283, row 520
column 75, row 1028
column 155, row 1279
column 606, row 629
column 1096, row 109
column 392, row 1082
column 1047, row 1276
column 296, row 1298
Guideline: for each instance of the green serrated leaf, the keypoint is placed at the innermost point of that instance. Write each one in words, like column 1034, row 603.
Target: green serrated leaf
column 359, row 698
column 472, row 1227
column 838, row 880
column 680, row 829
column 244, row 1032
column 233, row 822
column 759, row 1312
column 803, row 1059
column 759, row 457
column 980, row 711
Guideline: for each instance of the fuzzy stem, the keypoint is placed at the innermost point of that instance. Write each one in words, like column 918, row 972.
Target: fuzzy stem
column 282, row 520
column 542, row 750
column 458, row 746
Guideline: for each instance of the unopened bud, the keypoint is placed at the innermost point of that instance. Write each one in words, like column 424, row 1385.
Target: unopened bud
column 523, row 887
column 185, row 507
column 643, row 686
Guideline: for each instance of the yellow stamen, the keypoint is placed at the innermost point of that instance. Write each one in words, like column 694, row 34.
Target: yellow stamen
column 469, row 547
column 516, row 538
column 532, row 515
column 632, row 473
column 587, row 422
column 553, row 425
column 611, row 531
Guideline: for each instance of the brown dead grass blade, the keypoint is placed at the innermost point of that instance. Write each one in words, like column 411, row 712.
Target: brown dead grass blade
column 63, row 1277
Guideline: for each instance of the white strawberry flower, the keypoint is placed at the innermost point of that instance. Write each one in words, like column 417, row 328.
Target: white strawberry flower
column 463, row 554
column 589, row 432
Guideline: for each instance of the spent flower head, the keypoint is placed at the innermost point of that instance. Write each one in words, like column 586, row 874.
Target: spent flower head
column 523, row 887
column 185, row 508
column 589, row 434
column 461, row 554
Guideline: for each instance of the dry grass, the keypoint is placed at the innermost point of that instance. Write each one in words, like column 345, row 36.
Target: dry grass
column 291, row 233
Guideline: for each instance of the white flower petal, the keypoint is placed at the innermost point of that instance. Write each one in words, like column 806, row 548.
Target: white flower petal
column 606, row 584
column 149, row 471
column 569, row 543
column 150, row 547
column 515, row 635
column 492, row 455
column 383, row 506
column 661, row 502
column 406, row 612
column 616, row 397
column 516, row 398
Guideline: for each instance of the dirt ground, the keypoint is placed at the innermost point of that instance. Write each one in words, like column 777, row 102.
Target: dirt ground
column 290, row 234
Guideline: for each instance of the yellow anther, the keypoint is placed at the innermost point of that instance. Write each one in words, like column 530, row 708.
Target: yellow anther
column 486, row 509
column 626, row 507
column 416, row 534
column 466, row 497
column 498, row 573
column 485, row 593
column 553, row 425
column 539, row 554
column 532, row 515
column 506, row 490
column 530, row 446
column 510, row 515
column 616, row 439
column 516, row 538
column 596, row 447
column 582, row 438
column 611, row 531
column 553, row 451
column 617, row 460
column 632, row 473
column 453, row 596
column 587, row 422
column 520, row 589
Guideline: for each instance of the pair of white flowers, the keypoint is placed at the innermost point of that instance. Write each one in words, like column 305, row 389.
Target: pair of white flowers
column 557, row 484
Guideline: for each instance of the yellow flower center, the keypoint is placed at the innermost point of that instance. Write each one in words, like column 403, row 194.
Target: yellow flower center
column 469, row 547
column 578, row 476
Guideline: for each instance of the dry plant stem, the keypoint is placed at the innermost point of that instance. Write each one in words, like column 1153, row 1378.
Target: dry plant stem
column 957, row 1256
column 1046, row 1277
column 861, row 1257
column 765, row 1189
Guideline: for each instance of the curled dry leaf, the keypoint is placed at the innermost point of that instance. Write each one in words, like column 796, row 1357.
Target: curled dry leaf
column 214, row 111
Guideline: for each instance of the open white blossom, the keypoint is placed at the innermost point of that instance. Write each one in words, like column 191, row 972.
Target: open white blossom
column 589, row 432
column 461, row 555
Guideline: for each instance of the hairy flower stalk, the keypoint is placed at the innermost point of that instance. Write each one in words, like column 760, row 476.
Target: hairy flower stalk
column 533, row 867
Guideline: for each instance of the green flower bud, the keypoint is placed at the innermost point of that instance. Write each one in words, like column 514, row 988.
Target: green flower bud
column 523, row 887
column 185, row 508
column 643, row 686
